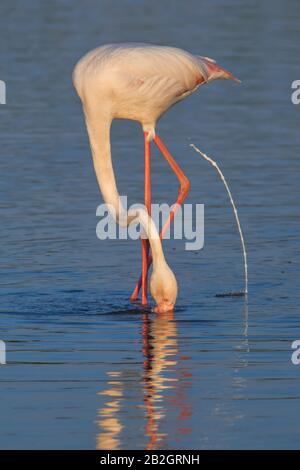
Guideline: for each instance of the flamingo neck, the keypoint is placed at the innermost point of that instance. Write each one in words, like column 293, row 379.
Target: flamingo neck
column 99, row 136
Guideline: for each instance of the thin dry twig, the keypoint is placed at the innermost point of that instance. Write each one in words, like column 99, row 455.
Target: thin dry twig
column 213, row 163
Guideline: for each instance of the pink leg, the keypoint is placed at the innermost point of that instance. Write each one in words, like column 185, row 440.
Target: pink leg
column 145, row 242
column 183, row 192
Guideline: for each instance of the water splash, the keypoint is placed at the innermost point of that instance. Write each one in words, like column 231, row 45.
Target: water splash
column 213, row 163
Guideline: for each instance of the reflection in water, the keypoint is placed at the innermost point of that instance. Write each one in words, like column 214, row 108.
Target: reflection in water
column 239, row 379
column 242, row 349
column 162, row 372
column 164, row 380
column 246, row 316
column 109, row 422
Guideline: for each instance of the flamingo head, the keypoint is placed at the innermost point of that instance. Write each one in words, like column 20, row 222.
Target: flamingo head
column 163, row 288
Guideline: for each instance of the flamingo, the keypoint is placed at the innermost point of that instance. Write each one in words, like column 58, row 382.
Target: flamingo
column 140, row 82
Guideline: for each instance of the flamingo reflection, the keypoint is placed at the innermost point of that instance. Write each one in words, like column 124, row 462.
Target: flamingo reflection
column 109, row 422
column 164, row 381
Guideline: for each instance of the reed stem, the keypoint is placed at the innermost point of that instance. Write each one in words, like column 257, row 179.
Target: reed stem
column 213, row 163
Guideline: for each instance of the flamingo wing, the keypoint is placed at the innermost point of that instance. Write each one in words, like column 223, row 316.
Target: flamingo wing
column 155, row 86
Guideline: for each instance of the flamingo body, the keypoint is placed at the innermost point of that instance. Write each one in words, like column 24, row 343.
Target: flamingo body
column 140, row 81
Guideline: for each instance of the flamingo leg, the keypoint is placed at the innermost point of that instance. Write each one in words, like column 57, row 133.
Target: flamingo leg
column 145, row 242
column 182, row 194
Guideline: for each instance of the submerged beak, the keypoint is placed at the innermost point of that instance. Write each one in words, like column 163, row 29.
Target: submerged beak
column 164, row 307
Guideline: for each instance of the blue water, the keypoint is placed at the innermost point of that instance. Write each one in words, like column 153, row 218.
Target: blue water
column 85, row 368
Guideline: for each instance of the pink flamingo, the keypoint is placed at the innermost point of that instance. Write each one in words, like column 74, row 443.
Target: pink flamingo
column 140, row 82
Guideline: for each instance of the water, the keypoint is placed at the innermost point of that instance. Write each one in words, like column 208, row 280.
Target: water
column 85, row 368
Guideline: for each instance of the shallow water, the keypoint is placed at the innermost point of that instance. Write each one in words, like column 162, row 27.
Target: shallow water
column 85, row 368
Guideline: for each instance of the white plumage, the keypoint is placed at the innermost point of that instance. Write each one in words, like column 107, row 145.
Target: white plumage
column 141, row 81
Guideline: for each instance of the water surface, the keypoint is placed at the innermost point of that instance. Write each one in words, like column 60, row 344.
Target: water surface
column 85, row 368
